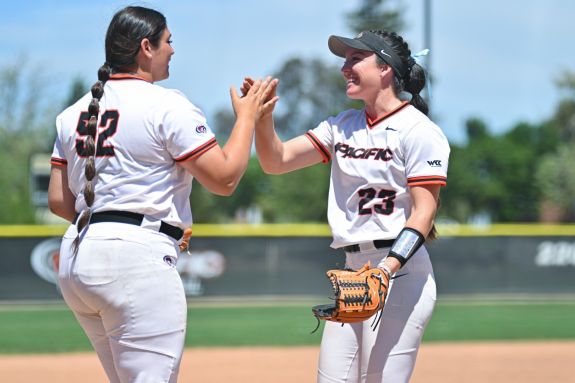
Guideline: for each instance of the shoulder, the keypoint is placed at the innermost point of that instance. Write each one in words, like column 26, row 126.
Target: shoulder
column 175, row 99
column 73, row 110
column 415, row 123
column 349, row 114
column 347, row 119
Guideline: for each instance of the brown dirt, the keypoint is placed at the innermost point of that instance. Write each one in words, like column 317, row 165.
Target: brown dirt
column 532, row 362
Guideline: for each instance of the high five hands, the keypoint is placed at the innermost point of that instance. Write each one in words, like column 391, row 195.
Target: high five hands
column 258, row 97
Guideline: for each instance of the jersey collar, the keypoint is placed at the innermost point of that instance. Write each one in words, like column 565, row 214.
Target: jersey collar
column 371, row 123
column 126, row 76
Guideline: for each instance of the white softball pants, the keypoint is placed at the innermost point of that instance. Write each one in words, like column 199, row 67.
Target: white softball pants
column 123, row 288
column 354, row 353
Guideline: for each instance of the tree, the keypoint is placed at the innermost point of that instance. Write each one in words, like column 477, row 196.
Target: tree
column 376, row 14
column 555, row 175
column 26, row 120
column 494, row 175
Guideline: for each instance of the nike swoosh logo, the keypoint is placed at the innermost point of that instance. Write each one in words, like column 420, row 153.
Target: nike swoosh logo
column 388, row 128
column 398, row 276
column 383, row 53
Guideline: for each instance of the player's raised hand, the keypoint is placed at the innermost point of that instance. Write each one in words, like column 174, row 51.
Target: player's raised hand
column 258, row 97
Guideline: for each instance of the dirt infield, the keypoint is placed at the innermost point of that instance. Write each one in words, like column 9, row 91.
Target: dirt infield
column 533, row 362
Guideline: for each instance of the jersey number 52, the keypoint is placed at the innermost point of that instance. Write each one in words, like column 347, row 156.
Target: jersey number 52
column 385, row 207
column 109, row 121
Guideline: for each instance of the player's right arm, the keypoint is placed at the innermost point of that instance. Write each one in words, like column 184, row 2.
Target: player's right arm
column 220, row 169
column 277, row 157
column 61, row 201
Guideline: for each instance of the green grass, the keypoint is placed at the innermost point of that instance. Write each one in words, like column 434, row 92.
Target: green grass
column 502, row 321
column 54, row 329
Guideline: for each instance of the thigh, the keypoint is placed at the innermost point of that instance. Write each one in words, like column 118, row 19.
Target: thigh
column 148, row 333
column 138, row 294
column 391, row 351
column 339, row 353
column 94, row 329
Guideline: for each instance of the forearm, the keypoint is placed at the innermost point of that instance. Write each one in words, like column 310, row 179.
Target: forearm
column 237, row 151
column 269, row 147
column 416, row 229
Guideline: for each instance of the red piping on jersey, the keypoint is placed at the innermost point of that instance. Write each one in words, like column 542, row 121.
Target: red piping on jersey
column 371, row 123
column 126, row 76
column 198, row 151
column 427, row 180
column 319, row 146
column 58, row 161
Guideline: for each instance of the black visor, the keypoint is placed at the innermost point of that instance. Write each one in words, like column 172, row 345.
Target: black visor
column 368, row 41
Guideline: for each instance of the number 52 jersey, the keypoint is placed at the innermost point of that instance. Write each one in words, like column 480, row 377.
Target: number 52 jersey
column 374, row 163
column 144, row 131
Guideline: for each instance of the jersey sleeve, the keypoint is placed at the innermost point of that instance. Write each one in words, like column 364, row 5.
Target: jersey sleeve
column 58, row 156
column 322, row 139
column 185, row 129
column 426, row 154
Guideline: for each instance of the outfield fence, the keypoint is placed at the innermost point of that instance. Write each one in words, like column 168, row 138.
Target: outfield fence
column 223, row 260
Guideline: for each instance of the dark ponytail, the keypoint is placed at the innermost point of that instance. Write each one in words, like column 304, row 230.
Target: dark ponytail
column 90, row 171
column 126, row 31
column 414, row 79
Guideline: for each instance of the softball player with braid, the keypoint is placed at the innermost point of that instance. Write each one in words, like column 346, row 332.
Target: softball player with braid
column 388, row 163
column 123, row 163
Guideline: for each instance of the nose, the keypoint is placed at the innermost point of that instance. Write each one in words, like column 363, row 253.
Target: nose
column 345, row 69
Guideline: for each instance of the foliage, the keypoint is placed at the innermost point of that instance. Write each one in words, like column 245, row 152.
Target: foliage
column 555, row 174
column 556, row 177
column 512, row 177
column 495, row 175
column 376, row 14
column 25, row 122
column 295, row 197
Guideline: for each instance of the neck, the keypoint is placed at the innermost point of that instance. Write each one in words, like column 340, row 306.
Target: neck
column 145, row 75
column 384, row 102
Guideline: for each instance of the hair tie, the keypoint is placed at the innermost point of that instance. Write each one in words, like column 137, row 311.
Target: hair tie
column 423, row 52
column 413, row 59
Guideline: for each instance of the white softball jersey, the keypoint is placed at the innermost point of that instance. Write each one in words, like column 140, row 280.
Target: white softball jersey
column 144, row 130
column 373, row 165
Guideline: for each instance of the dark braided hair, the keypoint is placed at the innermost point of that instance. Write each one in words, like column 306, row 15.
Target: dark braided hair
column 127, row 29
column 414, row 80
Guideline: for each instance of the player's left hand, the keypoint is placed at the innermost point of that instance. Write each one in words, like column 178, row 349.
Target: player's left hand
column 358, row 295
column 248, row 83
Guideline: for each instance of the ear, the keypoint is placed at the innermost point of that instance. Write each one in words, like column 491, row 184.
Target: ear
column 385, row 71
column 146, row 47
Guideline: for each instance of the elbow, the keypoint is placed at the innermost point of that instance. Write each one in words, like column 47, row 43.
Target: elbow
column 271, row 169
column 56, row 208
column 54, row 205
column 226, row 189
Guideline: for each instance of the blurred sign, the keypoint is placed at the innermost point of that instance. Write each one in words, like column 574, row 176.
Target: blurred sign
column 227, row 266
column 40, row 179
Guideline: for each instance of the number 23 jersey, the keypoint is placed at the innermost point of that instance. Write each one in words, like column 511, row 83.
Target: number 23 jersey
column 374, row 163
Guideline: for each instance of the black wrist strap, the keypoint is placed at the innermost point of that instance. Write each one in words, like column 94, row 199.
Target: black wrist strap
column 406, row 244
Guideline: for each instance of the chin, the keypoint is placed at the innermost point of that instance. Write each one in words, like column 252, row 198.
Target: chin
column 353, row 95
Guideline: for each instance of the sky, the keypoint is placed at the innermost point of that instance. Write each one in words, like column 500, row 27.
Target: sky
column 495, row 60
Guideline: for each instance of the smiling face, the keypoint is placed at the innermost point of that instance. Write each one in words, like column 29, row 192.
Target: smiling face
column 362, row 74
column 161, row 56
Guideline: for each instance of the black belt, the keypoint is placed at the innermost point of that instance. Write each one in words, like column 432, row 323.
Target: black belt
column 378, row 244
column 133, row 219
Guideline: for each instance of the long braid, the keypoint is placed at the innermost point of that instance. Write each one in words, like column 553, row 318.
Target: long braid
column 125, row 32
column 90, row 149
